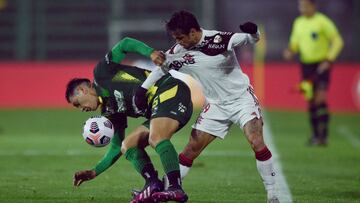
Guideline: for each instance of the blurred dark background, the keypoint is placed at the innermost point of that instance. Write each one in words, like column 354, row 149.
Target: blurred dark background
column 86, row 29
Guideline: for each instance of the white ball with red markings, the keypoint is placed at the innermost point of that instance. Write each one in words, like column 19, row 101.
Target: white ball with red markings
column 98, row 131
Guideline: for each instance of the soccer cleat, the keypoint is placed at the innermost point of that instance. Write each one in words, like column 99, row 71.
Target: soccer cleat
column 144, row 196
column 171, row 194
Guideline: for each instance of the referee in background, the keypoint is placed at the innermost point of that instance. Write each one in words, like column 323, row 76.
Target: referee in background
column 315, row 37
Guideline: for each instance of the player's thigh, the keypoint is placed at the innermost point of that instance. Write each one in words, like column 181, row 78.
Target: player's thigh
column 137, row 138
column 214, row 120
column 245, row 109
column 253, row 131
column 173, row 101
column 171, row 109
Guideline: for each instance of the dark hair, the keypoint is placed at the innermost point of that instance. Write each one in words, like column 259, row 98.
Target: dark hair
column 72, row 84
column 183, row 21
column 312, row 1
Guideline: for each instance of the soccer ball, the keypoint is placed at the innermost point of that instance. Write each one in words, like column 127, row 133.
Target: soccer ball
column 98, row 131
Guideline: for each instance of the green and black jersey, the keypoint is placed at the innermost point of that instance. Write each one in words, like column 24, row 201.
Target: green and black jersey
column 116, row 85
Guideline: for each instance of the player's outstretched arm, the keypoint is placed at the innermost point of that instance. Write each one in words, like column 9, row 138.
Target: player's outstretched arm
column 111, row 156
column 82, row 176
column 113, row 153
column 250, row 34
column 131, row 45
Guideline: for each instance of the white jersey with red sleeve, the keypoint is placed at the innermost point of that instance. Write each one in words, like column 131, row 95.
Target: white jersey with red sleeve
column 213, row 63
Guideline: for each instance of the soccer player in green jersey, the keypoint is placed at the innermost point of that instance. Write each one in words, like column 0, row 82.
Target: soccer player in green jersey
column 169, row 109
column 315, row 37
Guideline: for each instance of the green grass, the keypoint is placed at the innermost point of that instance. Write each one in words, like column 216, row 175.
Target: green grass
column 41, row 149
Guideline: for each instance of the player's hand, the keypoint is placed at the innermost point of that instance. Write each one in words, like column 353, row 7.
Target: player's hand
column 158, row 57
column 140, row 100
column 323, row 66
column 81, row 176
column 249, row 27
column 288, row 55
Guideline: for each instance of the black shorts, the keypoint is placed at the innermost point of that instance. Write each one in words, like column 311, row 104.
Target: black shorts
column 320, row 81
column 172, row 100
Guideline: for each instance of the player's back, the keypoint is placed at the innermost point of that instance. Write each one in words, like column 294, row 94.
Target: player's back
column 117, row 83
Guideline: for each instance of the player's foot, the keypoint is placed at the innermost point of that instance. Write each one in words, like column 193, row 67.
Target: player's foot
column 317, row 142
column 171, row 194
column 273, row 199
column 144, row 196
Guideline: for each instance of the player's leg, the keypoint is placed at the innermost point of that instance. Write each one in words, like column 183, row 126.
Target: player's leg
column 171, row 109
column 321, row 112
column 197, row 143
column 254, row 134
column 250, row 119
column 322, row 115
column 210, row 124
column 133, row 148
column 161, row 131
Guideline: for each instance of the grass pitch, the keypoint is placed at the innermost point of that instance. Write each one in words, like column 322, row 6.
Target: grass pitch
column 41, row 149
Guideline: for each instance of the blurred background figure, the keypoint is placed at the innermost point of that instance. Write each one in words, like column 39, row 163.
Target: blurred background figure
column 317, row 41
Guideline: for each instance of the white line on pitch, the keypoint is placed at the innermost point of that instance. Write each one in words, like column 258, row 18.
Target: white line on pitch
column 284, row 191
column 349, row 135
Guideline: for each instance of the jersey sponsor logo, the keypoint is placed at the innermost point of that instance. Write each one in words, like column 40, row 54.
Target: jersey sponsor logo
column 125, row 77
column 119, row 97
column 186, row 60
column 226, row 33
column 182, row 108
column 216, row 46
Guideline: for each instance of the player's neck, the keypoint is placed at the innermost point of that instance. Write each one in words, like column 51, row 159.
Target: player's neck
column 198, row 36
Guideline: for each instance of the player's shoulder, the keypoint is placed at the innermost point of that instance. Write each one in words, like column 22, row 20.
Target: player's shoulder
column 174, row 49
column 323, row 18
column 215, row 42
column 211, row 33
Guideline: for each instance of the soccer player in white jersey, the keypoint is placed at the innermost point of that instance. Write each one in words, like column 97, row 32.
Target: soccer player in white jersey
column 208, row 56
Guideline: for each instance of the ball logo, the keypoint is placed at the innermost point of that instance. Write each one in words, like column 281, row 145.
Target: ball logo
column 94, row 128
column 108, row 124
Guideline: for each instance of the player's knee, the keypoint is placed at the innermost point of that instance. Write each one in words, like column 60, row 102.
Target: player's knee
column 155, row 139
column 257, row 142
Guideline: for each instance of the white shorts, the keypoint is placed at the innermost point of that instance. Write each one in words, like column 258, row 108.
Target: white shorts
column 217, row 118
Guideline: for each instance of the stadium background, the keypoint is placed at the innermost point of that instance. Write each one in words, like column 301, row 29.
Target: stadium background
column 44, row 43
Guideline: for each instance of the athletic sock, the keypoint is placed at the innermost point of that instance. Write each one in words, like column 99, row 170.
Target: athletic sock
column 266, row 170
column 142, row 163
column 185, row 165
column 170, row 162
column 314, row 120
column 323, row 120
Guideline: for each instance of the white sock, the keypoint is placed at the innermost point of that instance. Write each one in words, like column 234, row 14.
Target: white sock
column 267, row 173
column 184, row 170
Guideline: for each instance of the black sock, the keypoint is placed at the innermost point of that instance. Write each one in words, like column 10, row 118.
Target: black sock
column 149, row 174
column 174, row 179
column 323, row 121
column 314, row 120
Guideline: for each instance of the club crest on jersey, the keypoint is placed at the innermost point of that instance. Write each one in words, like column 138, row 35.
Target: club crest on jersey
column 186, row 59
column 217, row 39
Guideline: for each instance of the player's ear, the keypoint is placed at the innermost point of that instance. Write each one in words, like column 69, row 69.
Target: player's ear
column 80, row 90
column 192, row 32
